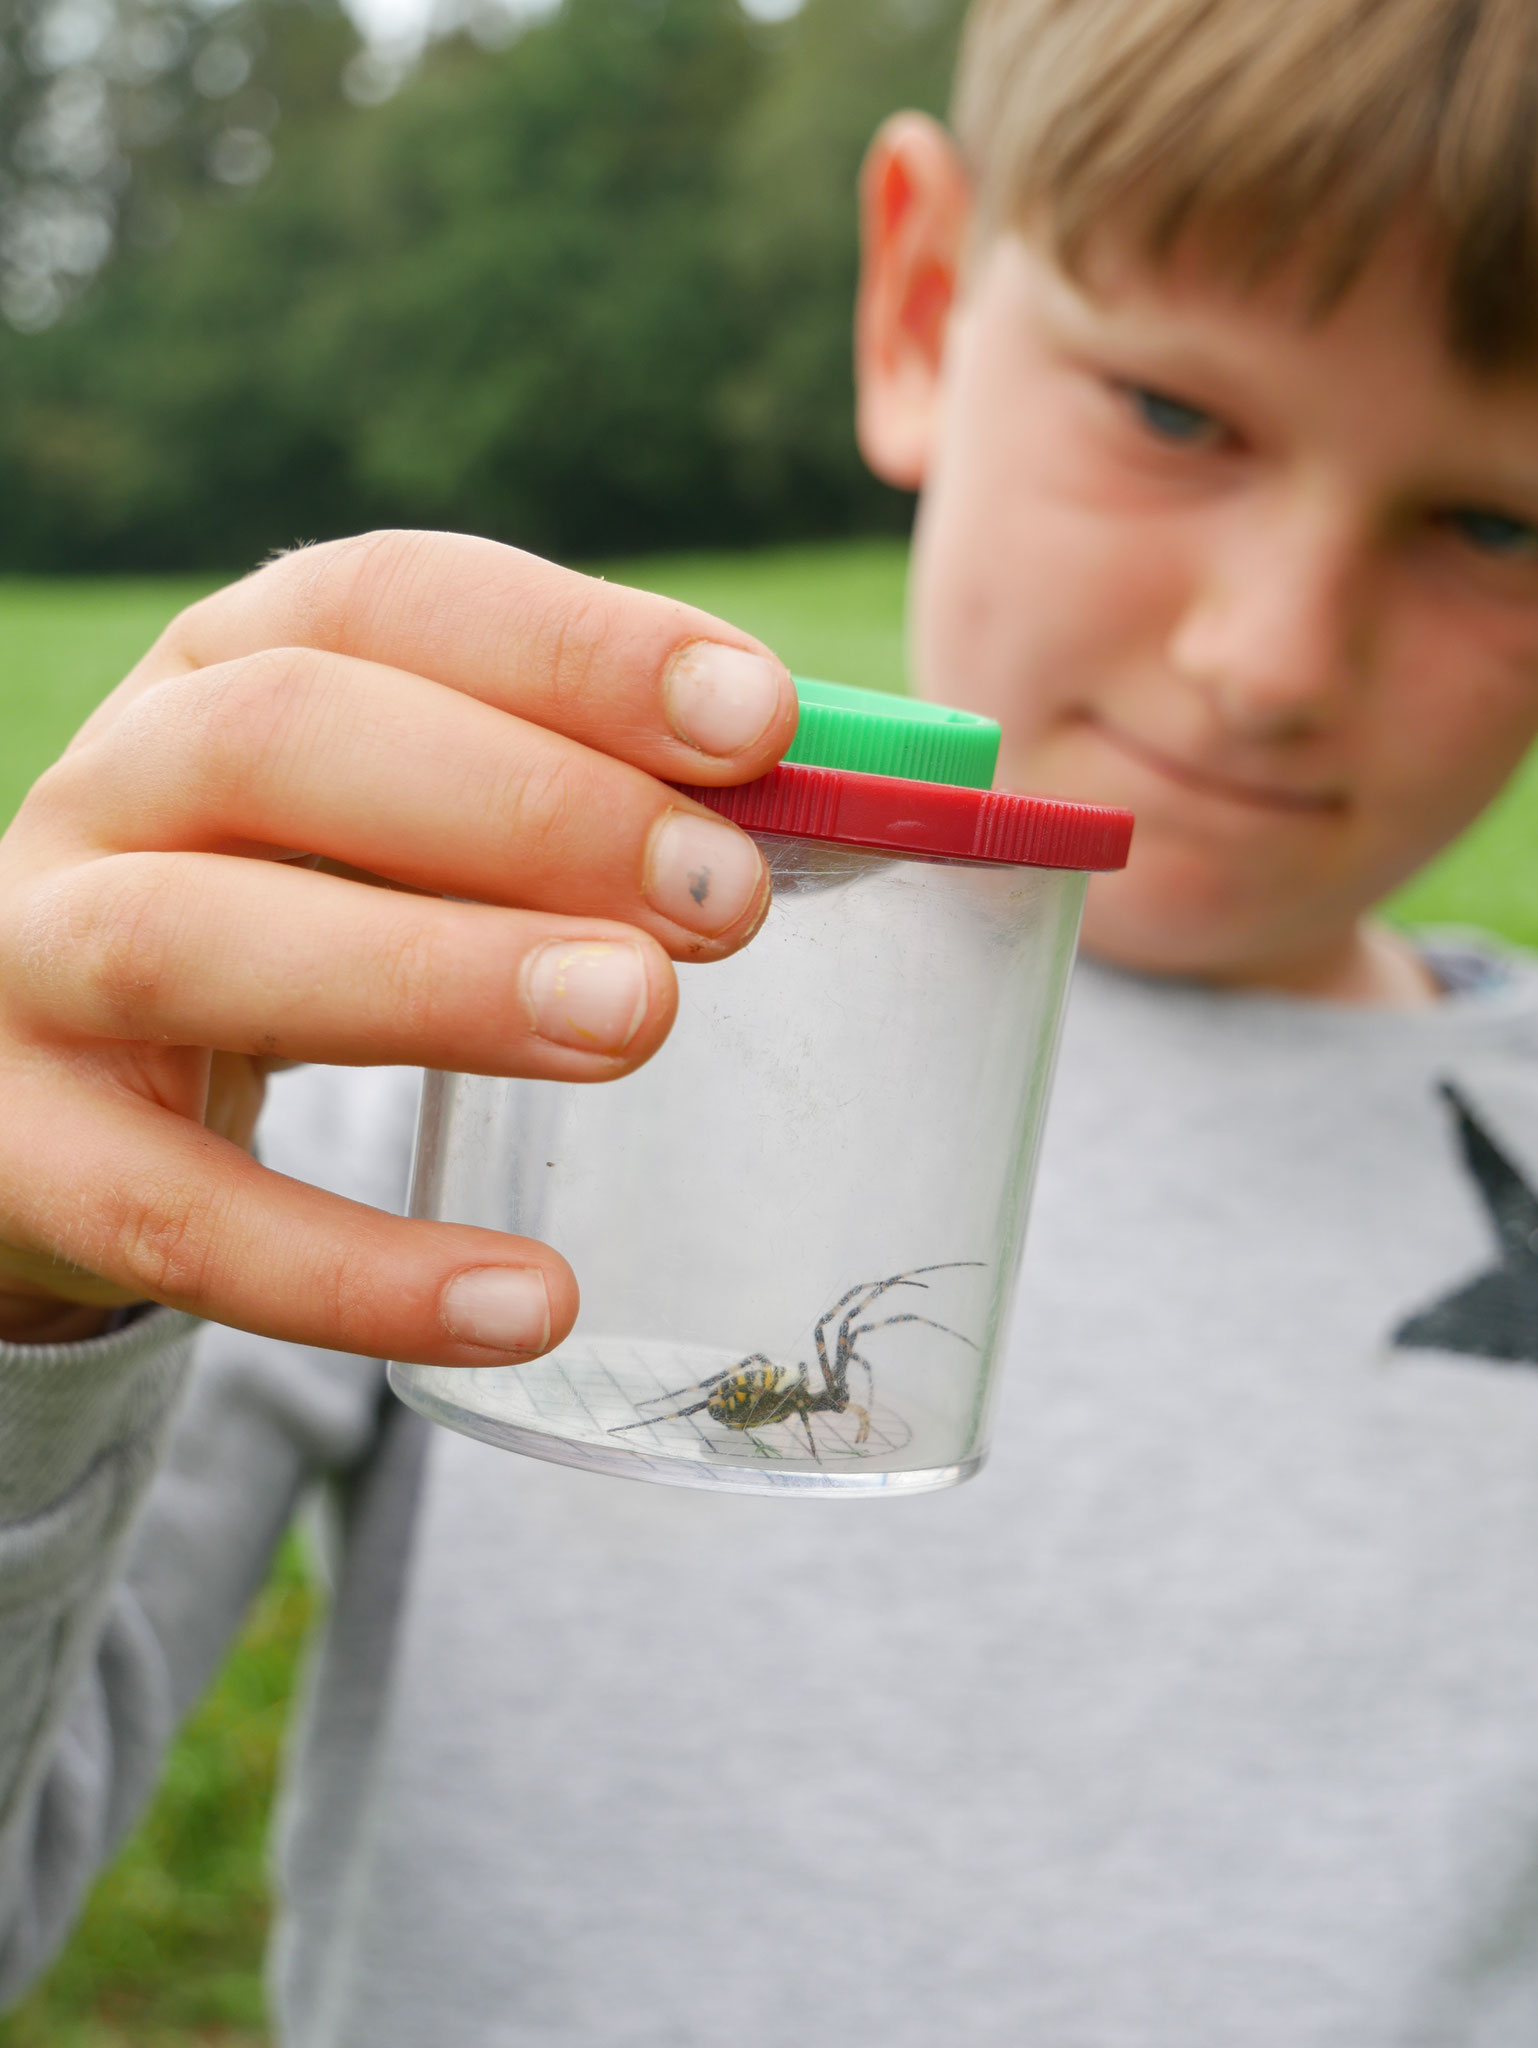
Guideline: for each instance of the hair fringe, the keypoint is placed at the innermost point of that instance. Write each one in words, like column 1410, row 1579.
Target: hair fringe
column 1274, row 130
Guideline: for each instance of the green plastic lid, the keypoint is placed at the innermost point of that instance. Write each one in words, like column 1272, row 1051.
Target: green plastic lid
column 872, row 732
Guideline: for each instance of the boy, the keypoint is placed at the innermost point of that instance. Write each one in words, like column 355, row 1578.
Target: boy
column 1207, row 1713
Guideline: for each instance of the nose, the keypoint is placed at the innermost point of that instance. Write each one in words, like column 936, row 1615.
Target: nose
column 1275, row 630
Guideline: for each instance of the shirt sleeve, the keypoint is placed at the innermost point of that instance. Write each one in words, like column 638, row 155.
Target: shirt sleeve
column 145, row 1479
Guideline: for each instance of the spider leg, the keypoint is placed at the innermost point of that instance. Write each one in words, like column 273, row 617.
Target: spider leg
column 717, row 1379
column 870, row 1392
column 822, row 1353
column 929, row 1322
column 811, row 1441
column 672, row 1415
column 847, row 1356
column 871, row 1289
column 863, row 1432
column 857, row 1301
column 836, row 1375
column 706, row 1389
column 911, row 1277
column 822, row 1404
column 833, row 1373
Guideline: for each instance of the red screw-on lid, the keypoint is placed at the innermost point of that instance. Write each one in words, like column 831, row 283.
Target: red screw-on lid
column 894, row 815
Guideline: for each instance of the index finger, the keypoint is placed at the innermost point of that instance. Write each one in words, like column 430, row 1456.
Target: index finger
column 651, row 681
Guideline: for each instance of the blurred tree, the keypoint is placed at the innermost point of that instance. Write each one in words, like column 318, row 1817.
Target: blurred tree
column 111, row 111
column 589, row 292
column 787, row 401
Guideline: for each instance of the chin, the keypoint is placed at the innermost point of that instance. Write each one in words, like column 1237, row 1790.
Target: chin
column 1191, row 926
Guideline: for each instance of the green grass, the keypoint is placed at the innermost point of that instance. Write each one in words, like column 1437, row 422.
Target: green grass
column 834, row 611
column 62, row 647
column 168, row 1954
column 1488, row 878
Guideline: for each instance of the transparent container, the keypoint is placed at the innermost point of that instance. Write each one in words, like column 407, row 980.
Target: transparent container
column 797, row 1228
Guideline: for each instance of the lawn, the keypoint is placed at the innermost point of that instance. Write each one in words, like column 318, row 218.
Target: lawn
column 169, row 1951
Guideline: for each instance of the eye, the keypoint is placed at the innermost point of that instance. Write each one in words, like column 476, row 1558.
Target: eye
column 1171, row 419
column 1496, row 534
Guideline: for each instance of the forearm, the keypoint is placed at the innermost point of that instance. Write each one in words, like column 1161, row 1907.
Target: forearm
column 137, row 1521
column 81, row 1431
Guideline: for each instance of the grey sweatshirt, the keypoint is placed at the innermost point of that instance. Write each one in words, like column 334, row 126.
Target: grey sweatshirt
column 1207, row 1714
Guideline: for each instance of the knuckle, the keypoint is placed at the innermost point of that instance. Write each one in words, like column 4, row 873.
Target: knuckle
column 414, row 971
column 339, row 583
column 315, row 588
column 56, row 791
column 260, row 695
column 188, row 633
column 41, row 931
column 181, row 642
column 609, row 652
column 349, row 1290
column 544, row 804
column 163, row 1240
column 582, row 636
column 252, row 712
column 111, row 924
column 59, row 799
column 560, row 625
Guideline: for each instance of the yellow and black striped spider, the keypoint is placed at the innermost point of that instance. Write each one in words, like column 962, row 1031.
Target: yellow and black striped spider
column 755, row 1393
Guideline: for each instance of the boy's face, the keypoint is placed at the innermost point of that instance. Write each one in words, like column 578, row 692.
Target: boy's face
column 1271, row 584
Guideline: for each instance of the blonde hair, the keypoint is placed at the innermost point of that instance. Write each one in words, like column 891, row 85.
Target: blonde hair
column 1272, row 128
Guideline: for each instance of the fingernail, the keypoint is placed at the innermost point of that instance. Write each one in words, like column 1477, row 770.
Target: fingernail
column 503, row 1308
column 702, row 874
column 721, row 699
column 592, row 996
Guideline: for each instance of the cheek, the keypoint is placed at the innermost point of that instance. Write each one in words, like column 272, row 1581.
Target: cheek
column 1459, row 714
column 1028, row 597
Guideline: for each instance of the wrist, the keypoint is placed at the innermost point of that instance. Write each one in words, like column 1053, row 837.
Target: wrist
column 49, row 1301
column 51, row 1322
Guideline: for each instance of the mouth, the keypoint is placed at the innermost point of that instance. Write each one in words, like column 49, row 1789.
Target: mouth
column 1236, row 789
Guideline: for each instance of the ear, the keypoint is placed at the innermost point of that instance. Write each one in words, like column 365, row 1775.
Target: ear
column 915, row 211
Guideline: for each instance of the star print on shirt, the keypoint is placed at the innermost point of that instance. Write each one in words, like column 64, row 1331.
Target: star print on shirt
column 1496, row 1314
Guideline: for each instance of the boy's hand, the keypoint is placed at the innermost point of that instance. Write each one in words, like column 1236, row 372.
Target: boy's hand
column 435, row 714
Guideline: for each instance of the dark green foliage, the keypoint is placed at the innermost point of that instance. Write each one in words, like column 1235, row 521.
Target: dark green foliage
column 114, row 113
column 787, row 403
column 589, row 293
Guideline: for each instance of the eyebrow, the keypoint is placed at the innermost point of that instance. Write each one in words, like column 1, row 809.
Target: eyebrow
column 1078, row 316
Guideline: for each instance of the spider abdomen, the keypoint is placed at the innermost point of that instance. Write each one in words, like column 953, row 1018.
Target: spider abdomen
column 751, row 1398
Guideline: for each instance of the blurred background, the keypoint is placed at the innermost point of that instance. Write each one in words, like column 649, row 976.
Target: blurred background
column 578, row 276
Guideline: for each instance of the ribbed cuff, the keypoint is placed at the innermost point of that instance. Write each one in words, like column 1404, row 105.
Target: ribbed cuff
column 62, row 1406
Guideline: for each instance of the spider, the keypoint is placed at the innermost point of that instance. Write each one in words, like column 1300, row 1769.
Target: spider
column 756, row 1392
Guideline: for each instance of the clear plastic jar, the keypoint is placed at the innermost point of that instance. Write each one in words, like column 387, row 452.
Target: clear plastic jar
column 797, row 1228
